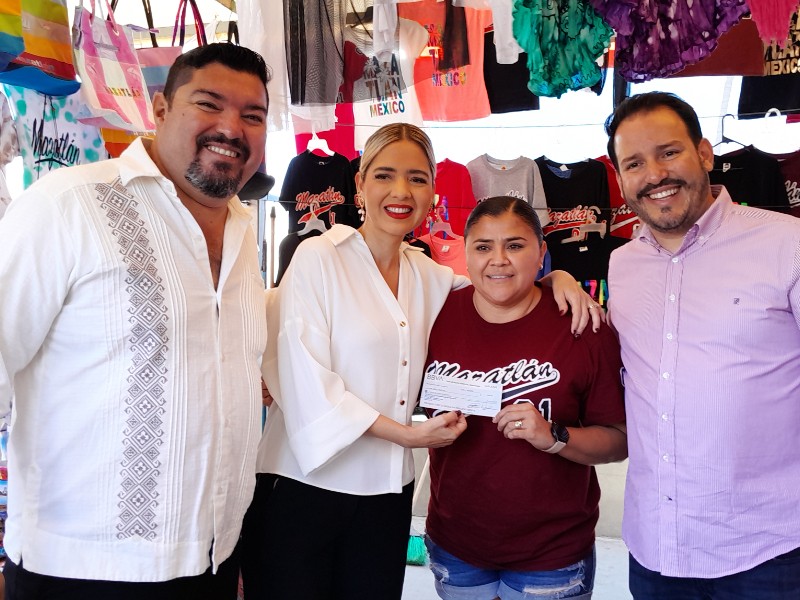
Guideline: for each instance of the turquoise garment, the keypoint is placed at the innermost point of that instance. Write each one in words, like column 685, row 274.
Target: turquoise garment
column 563, row 40
column 50, row 136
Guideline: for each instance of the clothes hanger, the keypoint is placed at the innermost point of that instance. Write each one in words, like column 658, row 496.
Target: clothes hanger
column 314, row 223
column 724, row 139
column 355, row 18
column 318, row 143
column 442, row 226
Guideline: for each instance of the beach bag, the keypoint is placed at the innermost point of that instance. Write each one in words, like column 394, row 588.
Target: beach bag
column 114, row 88
column 156, row 61
column 11, row 42
column 39, row 34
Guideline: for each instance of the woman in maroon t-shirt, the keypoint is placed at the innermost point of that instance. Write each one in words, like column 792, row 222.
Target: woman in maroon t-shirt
column 514, row 500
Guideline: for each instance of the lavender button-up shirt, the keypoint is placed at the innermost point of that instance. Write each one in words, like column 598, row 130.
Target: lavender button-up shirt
column 710, row 340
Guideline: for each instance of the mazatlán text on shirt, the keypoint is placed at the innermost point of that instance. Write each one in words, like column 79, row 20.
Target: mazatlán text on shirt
column 622, row 216
column 61, row 151
column 572, row 218
column 330, row 196
column 530, row 370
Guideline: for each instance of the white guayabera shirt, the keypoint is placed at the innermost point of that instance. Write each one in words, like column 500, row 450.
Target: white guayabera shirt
column 136, row 394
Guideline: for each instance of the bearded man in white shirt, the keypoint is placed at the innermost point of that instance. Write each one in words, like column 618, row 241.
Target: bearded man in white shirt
column 131, row 337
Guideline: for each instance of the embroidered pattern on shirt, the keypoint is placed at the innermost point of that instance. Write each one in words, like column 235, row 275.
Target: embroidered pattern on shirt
column 144, row 399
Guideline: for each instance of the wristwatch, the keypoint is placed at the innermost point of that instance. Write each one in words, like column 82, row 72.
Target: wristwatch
column 561, row 437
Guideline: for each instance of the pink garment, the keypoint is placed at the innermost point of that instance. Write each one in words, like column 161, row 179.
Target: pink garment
column 773, row 18
column 450, row 252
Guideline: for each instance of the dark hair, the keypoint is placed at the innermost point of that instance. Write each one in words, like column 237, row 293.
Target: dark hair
column 646, row 103
column 498, row 205
column 229, row 55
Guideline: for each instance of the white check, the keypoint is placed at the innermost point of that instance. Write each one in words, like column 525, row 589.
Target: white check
column 443, row 392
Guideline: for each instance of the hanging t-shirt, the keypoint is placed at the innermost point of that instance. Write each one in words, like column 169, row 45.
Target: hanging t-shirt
column 505, row 46
column 385, row 92
column 499, row 503
column 790, row 170
column 518, row 177
column 506, row 84
column 624, row 221
column 580, row 211
column 751, row 177
column 454, row 184
column 449, row 94
column 323, row 184
column 449, row 252
column 760, row 94
column 50, row 137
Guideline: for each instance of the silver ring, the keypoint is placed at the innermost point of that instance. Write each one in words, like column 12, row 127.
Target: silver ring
column 517, row 424
column 591, row 306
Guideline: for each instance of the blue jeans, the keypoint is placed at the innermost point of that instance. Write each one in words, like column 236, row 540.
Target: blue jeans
column 776, row 579
column 457, row 580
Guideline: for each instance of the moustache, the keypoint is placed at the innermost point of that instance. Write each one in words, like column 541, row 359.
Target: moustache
column 652, row 186
column 236, row 143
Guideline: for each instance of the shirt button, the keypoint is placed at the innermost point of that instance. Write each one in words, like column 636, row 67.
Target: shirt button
column 402, row 323
column 669, row 336
column 402, row 402
column 665, row 458
column 665, row 375
column 665, row 417
column 404, row 363
column 667, row 499
column 672, row 297
column 675, row 259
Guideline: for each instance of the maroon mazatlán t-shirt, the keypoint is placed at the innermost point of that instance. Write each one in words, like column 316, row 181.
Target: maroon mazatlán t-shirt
column 498, row 503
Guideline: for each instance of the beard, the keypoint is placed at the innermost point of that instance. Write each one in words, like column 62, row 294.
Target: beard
column 214, row 185
column 672, row 219
column 222, row 182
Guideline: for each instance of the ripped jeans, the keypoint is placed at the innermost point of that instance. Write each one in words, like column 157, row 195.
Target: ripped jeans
column 457, row 580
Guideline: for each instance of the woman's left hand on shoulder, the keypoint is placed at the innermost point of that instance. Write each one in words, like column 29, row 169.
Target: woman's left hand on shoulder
column 569, row 294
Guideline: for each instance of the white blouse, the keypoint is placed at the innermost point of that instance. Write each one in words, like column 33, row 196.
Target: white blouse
column 346, row 351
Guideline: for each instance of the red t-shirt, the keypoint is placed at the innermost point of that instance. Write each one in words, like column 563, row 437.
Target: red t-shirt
column 498, row 503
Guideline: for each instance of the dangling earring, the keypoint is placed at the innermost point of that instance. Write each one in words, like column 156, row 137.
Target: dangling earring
column 360, row 203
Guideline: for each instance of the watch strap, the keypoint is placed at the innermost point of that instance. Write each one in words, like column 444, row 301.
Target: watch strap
column 555, row 448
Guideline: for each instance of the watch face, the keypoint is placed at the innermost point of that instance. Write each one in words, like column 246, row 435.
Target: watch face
column 560, row 432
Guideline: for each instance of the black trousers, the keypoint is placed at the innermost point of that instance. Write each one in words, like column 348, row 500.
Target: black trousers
column 300, row 541
column 22, row 584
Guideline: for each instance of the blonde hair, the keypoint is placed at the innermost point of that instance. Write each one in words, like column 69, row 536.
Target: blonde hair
column 395, row 132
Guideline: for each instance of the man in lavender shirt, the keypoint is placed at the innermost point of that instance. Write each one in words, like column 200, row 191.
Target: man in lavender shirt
column 706, row 302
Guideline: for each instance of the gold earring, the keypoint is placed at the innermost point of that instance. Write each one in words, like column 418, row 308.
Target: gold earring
column 359, row 198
